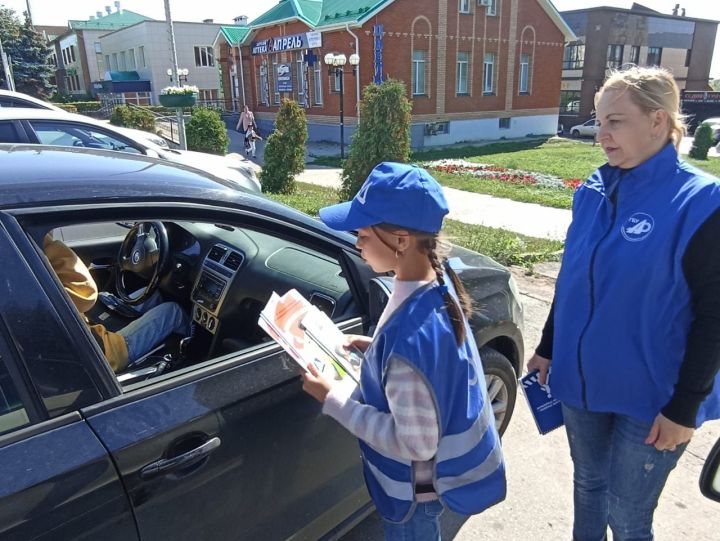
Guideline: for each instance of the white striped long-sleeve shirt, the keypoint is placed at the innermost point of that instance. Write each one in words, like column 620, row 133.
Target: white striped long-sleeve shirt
column 410, row 431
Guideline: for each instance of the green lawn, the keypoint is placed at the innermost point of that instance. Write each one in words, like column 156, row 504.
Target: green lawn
column 503, row 246
column 564, row 158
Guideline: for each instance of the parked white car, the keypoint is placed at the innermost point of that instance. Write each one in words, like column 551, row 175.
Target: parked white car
column 586, row 129
column 9, row 98
column 60, row 128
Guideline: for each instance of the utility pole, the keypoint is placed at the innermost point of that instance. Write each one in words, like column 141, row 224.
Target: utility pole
column 7, row 70
column 29, row 14
column 175, row 76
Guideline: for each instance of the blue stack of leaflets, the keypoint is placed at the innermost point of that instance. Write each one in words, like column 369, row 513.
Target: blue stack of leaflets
column 546, row 410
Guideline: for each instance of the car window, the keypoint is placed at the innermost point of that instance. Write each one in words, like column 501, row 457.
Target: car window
column 13, row 102
column 78, row 135
column 590, row 122
column 9, row 133
column 12, row 412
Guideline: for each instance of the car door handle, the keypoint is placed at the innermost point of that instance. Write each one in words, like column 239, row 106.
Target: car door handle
column 168, row 464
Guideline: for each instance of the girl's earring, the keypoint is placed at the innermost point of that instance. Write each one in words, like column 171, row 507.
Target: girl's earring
column 397, row 256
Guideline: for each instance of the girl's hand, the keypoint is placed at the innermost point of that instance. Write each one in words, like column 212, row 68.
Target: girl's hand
column 666, row 435
column 359, row 341
column 315, row 385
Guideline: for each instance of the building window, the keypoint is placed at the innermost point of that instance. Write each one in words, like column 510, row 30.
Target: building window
column 464, row 6
column 72, row 83
column 204, row 56
column 114, row 62
column 264, row 85
column 107, row 62
column 463, row 62
column 52, row 60
column 206, row 95
column 141, row 54
column 654, row 56
column 131, row 59
column 614, row 56
column 688, row 58
column 317, row 82
column 492, row 7
column 635, row 55
column 336, row 78
column 574, row 56
column 504, row 123
column 276, row 94
column 72, row 53
column 569, row 102
column 488, row 73
column 98, row 47
column 418, row 73
column 524, row 86
column 123, row 61
column 302, row 89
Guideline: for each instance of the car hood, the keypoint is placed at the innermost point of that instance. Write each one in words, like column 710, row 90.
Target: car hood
column 230, row 167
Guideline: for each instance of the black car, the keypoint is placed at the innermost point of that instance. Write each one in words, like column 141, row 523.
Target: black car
column 211, row 438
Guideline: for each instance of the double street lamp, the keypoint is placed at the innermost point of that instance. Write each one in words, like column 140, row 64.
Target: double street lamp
column 182, row 75
column 335, row 64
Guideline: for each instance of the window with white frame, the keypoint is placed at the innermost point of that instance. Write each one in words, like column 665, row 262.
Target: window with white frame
column 98, row 47
column 276, row 94
column 464, row 6
column 204, row 56
column 107, row 62
column 141, row 54
column 264, row 85
column 207, row 95
column 489, row 73
column 317, row 83
column 123, row 61
column 114, row 62
column 336, row 77
column 463, row 62
column 418, row 73
column 131, row 59
column 492, row 7
column 301, row 83
column 524, row 83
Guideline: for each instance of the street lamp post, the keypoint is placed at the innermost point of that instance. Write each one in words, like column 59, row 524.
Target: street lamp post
column 182, row 74
column 335, row 64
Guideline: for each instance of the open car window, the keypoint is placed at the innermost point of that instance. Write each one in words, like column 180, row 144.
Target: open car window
column 63, row 134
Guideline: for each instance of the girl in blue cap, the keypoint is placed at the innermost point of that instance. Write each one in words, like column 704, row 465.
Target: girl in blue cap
column 421, row 412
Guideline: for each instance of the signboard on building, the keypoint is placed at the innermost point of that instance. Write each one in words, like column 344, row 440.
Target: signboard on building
column 700, row 96
column 283, row 78
column 306, row 40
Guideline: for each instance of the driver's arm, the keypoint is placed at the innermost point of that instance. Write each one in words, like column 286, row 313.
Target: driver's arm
column 72, row 273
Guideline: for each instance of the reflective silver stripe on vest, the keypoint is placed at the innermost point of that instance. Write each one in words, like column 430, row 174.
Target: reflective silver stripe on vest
column 478, row 473
column 400, row 490
column 456, row 445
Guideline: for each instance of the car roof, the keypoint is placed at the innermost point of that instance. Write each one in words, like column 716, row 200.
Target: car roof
column 28, row 113
column 43, row 175
column 29, row 98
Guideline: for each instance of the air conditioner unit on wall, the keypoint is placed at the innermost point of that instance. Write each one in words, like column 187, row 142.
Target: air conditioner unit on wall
column 484, row 2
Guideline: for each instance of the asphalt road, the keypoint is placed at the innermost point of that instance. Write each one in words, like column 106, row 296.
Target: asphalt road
column 539, row 471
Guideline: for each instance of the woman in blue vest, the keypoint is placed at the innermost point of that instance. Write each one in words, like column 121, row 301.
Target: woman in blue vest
column 634, row 332
column 421, row 411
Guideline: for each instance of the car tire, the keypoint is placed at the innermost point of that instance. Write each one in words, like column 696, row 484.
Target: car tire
column 501, row 383
column 576, row 134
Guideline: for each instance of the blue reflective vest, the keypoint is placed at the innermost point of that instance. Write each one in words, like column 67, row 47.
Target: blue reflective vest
column 469, row 472
column 622, row 305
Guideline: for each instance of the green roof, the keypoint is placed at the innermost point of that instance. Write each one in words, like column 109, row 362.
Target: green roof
column 113, row 21
column 234, row 35
column 318, row 13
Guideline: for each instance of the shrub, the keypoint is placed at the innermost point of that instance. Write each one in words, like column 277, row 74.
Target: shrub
column 133, row 117
column 87, row 106
column 206, row 132
column 69, row 107
column 285, row 149
column 383, row 134
column 702, row 142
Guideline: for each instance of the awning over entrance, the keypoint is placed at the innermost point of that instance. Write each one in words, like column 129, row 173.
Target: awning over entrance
column 122, row 81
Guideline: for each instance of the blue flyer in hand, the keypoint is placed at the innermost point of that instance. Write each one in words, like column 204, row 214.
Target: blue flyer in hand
column 545, row 409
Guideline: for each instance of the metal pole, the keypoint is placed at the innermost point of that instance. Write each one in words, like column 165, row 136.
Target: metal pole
column 242, row 76
column 176, row 78
column 341, row 72
column 9, row 83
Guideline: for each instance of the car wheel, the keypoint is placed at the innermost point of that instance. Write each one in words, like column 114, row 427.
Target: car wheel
column 576, row 134
column 501, row 385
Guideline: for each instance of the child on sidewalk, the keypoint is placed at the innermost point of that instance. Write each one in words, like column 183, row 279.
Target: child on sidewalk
column 421, row 411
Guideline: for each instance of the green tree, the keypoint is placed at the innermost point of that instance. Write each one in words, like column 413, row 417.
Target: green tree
column 285, row 149
column 383, row 134
column 206, row 132
column 28, row 54
column 702, row 142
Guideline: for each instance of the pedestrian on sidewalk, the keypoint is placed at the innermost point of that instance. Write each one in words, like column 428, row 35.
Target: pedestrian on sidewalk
column 246, row 125
column 634, row 332
column 421, row 411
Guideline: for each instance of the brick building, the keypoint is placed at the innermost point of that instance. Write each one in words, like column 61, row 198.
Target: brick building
column 611, row 37
column 474, row 69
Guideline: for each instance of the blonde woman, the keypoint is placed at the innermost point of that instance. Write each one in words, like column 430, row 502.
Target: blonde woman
column 634, row 333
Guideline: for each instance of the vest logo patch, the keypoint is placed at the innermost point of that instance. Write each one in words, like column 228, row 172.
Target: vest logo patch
column 638, row 227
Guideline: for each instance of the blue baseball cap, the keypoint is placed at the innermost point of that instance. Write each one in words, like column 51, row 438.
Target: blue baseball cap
column 394, row 193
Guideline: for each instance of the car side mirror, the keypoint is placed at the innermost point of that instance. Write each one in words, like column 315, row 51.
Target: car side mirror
column 379, row 291
column 710, row 476
column 152, row 153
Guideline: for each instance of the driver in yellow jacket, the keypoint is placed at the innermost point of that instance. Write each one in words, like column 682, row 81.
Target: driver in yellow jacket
column 129, row 344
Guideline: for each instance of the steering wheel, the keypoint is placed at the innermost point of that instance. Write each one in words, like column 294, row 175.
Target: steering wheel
column 144, row 256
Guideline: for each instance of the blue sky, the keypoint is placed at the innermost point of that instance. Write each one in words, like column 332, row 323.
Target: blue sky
column 57, row 12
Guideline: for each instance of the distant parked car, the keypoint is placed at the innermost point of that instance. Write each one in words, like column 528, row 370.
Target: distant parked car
column 586, row 129
column 9, row 98
column 47, row 127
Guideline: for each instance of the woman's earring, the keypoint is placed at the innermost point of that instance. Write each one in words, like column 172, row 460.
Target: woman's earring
column 397, row 256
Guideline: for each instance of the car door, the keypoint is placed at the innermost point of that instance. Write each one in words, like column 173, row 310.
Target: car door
column 232, row 448
column 57, row 481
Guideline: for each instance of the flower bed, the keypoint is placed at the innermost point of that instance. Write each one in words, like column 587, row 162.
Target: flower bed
column 484, row 171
